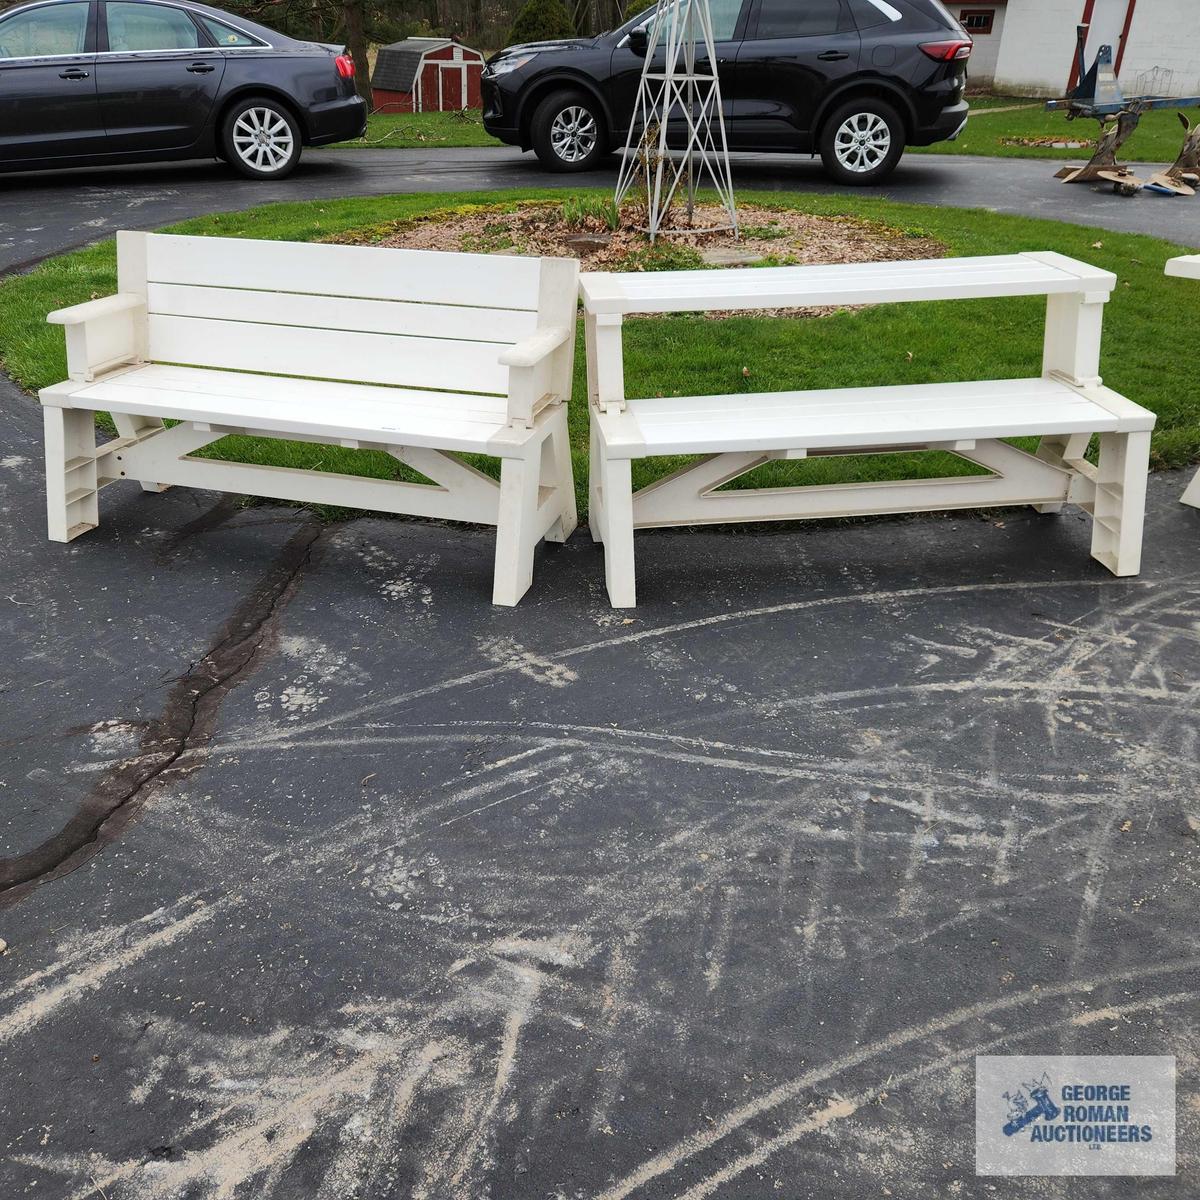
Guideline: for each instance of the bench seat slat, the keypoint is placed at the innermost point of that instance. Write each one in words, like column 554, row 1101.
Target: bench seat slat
column 324, row 312
column 478, row 280
column 294, row 395
column 335, row 411
column 1030, row 394
column 329, row 354
column 850, row 417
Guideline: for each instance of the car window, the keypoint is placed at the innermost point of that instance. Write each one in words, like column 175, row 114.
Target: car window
column 224, row 35
column 788, row 19
column 724, row 19
column 952, row 22
column 869, row 14
column 58, row 29
column 134, row 27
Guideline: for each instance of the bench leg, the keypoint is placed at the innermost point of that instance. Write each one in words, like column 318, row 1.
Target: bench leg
column 1120, row 513
column 557, row 473
column 595, row 509
column 517, row 533
column 617, row 483
column 71, row 484
column 1192, row 495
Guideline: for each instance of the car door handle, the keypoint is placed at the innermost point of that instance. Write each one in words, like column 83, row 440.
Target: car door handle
column 201, row 69
column 832, row 56
column 73, row 73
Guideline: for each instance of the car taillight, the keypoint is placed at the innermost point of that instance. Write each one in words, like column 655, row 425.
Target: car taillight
column 345, row 66
column 948, row 51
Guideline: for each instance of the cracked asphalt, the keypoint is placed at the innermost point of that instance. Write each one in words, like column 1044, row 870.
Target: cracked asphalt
column 325, row 879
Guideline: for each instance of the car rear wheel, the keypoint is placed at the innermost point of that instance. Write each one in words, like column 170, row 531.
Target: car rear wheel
column 261, row 139
column 862, row 141
column 568, row 132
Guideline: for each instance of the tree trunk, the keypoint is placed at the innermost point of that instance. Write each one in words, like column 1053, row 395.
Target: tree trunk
column 356, row 40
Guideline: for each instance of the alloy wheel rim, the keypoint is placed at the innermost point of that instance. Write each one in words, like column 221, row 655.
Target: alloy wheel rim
column 263, row 139
column 573, row 134
column 862, row 142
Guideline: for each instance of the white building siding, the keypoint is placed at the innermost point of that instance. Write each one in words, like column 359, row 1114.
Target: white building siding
column 1038, row 46
column 1164, row 46
column 1035, row 54
column 986, row 54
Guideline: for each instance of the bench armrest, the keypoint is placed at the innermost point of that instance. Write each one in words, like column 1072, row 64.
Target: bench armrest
column 103, row 334
column 93, row 310
column 538, row 373
column 531, row 350
column 1185, row 267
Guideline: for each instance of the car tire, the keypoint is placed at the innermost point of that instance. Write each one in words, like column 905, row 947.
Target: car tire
column 260, row 138
column 862, row 141
column 568, row 132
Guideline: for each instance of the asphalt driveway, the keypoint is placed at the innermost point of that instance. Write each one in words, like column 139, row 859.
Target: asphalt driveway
column 339, row 882
column 46, row 213
column 321, row 878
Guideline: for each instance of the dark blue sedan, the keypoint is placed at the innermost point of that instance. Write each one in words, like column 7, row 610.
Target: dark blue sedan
column 90, row 82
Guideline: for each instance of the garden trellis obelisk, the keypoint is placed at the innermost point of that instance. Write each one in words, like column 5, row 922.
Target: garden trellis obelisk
column 687, row 85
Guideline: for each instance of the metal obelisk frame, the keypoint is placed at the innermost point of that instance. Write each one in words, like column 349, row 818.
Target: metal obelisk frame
column 681, row 27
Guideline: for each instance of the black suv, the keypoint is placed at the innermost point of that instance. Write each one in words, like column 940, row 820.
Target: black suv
column 853, row 80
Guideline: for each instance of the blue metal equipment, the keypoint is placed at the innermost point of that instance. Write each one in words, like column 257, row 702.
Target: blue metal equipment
column 1099, row 96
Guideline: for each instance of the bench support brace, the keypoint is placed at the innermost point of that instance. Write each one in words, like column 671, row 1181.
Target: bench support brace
column 1192, row 495
column 1114, row 492
column 534, row 499
column 1068, row 452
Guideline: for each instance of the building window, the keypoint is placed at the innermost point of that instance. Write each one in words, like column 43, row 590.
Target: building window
column 977, row 20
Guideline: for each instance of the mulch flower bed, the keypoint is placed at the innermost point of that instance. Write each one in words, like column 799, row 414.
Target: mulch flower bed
column 583, row 229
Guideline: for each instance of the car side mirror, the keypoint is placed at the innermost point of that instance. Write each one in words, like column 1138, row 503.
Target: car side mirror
column 639, row 40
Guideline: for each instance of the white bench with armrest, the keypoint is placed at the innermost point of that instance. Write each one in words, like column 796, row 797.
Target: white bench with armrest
column 422, row 355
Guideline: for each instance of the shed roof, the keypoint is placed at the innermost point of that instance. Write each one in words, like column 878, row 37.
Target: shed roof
column 396, row 66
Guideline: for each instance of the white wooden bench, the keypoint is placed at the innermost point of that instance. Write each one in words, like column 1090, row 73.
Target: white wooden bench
column 1065, row 406
column 1188, row 267
column 422, row 355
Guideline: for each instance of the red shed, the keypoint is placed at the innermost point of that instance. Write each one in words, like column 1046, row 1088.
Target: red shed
column 426, row 75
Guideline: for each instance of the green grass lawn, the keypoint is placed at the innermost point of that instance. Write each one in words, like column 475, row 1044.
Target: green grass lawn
column 414, row 131
column 1149, row 344
column 1158, row 138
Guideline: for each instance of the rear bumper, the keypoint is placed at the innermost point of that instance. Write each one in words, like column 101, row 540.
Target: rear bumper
column 337, row 121
column 948, row 125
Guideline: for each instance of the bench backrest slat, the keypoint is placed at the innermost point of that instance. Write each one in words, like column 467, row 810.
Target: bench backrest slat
column 423, row 276
column 329, row 354
column 456, row 323
column 843, row 283
column 406, row 318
